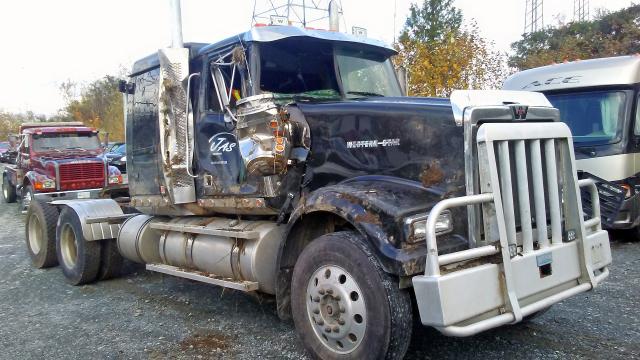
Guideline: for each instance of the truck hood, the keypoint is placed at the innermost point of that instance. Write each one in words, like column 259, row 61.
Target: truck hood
column 409, row 138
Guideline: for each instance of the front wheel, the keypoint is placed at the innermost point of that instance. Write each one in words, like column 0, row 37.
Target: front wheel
column 27, row 198
column 40, row 231
column 344, row 305
column 8, row 191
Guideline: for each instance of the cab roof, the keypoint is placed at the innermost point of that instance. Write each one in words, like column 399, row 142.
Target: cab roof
column 620, row 70
column 263, row 34
column 54, row 127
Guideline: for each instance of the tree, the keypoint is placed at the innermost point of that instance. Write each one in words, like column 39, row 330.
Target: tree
column 99, row 106
column 442, row 56
column 432, row 22
column 609, row 34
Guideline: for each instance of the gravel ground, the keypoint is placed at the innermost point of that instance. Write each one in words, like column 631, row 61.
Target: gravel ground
column 147, row 315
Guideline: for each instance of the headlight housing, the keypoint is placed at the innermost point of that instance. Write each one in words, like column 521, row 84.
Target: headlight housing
column 416, row 226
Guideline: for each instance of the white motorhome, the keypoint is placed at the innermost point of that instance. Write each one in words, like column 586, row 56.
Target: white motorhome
column 598, row 99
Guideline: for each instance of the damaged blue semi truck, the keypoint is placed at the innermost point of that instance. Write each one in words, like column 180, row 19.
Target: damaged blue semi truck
column 287, row 161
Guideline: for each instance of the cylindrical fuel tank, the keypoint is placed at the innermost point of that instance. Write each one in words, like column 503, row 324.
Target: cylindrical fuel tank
column 139, row 242
column 237, row 258
column 250, row 255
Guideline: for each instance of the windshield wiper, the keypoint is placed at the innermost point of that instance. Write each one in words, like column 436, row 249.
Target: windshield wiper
column 364, row 93
column 50, row 148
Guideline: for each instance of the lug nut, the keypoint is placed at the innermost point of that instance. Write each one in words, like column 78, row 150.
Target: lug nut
column 320, row 322
column 321, row 291
column 342, row 309
column 327, row 329
column 316, row 298
column 335, row 329
column 329, row 291
column 337, row 297
column 341, row 321
column 316, row 311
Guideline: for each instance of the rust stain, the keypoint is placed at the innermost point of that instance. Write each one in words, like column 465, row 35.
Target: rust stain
column 432, row 174
column 209, row 341
column 368, row 218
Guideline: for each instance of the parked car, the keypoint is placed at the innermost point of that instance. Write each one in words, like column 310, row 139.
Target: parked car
column 117, row 156
column 5, row 149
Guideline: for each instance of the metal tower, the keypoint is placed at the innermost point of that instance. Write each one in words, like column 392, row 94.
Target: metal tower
column 306, row 13
column 533, row 16
column 580, row 10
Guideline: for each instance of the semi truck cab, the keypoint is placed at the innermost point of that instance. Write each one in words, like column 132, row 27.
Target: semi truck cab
column 285, row 161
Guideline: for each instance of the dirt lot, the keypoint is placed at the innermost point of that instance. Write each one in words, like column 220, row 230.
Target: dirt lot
column 147, row 315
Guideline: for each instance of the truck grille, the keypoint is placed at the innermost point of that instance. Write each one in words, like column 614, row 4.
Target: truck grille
column 532, row 177
column 81, row 175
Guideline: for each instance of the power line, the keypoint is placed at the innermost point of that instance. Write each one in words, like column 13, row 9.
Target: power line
column 305, row 13
column 580, row 10
column 533, row 16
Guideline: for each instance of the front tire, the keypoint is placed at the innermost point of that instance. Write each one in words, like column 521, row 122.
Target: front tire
column 40, row 231
column 8, row 191
column 344, row 305
column 78, row 258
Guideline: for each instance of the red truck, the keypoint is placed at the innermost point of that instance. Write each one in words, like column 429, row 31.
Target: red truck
column 57, row 161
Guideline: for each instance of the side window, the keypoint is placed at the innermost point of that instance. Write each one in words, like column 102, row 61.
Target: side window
column 636, row 127
column 229, row 83
column 25, row 143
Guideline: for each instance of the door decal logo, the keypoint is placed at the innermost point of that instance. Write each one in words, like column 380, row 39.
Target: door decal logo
column 222, row 143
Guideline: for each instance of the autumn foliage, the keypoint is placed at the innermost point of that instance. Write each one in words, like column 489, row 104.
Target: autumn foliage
column 441, row 55
column 609, row 34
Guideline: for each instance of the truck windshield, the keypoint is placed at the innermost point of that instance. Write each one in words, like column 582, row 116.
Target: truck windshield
column 366, row 74
column 312, row 69
column 61, row 141
column 595, row 117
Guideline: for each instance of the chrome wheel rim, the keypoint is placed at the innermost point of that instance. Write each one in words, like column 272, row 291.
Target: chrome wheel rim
column 336, row 309
column 68, row 246
column 27, row 200
column 36, row 240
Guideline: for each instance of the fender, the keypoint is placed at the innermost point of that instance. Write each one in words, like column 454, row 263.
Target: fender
column 375, row 206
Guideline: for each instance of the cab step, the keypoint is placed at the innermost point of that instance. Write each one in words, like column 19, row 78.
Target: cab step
column 246, row 286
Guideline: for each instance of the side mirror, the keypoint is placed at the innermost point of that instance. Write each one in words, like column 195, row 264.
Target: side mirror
column 403, row 78
column 125, row 87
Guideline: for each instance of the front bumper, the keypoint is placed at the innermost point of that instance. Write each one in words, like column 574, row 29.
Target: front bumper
column 69, row 195
column 465, row 293
column 629, row 214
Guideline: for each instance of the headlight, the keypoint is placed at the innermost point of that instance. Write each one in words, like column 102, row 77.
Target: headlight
column 115, row 179
column 123, row 159
column 416, row 226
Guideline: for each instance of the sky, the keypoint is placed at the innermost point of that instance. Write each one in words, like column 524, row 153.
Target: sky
column 46, row 42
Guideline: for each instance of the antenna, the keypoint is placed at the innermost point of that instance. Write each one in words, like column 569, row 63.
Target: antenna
column 580, row 10
column 305, row 13
column 533, row 16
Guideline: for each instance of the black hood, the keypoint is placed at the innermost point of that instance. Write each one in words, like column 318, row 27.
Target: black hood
column 410, row 138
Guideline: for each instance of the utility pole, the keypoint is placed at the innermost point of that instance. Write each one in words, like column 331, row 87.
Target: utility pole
column 305, row 13
column 533, row 16
column 580, row 10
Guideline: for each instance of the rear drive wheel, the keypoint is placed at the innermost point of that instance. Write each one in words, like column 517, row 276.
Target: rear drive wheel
column 8, row 191
column 110, row 260
column 78, row 258
column 344, row 305
column 40, row 230
column 27, row 198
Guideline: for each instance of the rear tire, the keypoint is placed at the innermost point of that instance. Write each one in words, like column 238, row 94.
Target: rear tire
column 110, row 260
column 8, row 191
column 344, row 305
column 40, row 231
column 78, row 258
